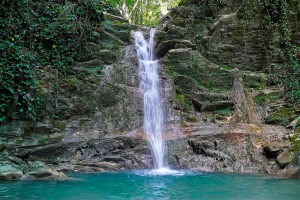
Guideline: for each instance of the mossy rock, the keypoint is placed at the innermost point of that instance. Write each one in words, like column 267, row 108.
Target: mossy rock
column 260, row 99
column 185, row 83
column 10, row 171
column 108, row 96
column 168, row 46
column 93, row 66
column 185, row 2
column 121, row 30
column 283, row 116
column 184, row 102
column 221, row 105
column 2, row 147
column 200, row 70
column 253, row 81
column 58, row 124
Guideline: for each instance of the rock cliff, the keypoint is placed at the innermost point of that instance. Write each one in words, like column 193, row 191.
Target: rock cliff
column 223, row 111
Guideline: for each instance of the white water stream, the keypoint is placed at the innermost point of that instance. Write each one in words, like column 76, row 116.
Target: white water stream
column 153, row 108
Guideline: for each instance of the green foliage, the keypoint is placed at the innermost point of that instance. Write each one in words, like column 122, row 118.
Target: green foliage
column 255, row 82
column 225, row 111
column 203, row 9
column 40, row 34
column 226, row 67
column 58, row 125
column 283, row 116
column 260, row 99
column 295, row 143
column 221, row 114
column 184, row 103
column 143, row 11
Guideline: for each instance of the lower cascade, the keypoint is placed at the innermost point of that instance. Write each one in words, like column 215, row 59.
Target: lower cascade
column 153, row 108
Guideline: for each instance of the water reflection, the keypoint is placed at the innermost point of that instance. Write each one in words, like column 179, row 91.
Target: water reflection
column 152, row 185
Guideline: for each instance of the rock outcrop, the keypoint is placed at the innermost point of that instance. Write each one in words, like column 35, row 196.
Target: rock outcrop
column 220, row 98
column 14, row 168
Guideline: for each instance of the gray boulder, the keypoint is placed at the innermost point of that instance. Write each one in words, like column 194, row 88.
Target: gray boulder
column 272, row 149
column 293, row 169
column 10, row 171
column 39, row 170
column 284, row 158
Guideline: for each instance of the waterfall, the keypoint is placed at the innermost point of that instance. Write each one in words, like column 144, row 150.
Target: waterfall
column 153, row 108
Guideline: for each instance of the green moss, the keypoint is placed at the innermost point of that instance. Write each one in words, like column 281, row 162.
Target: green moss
column 260, row 99
column 44, row 140
column 273, row 97
column 70, row 80
column 118, row 23
column 257, row 139
column 27, row 130
column 191, row 119
column 116, row 89
column 221, row 114
column 205, row 102
column 255, row 82
column 184, row 102
column 210, row 84
column 169, row 71
column 211, row 78
column 238, row 33
column 81, row 125
column 225, row 112
column 295, row 143
column 226, row 67
column 2, row 147
column 19, row 142
column 108, row 99
column 58, row 124
column 283, row 116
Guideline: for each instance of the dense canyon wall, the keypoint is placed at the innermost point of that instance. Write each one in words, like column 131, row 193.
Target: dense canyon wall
column 223, row 110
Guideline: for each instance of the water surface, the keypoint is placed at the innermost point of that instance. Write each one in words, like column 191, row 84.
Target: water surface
column 153, row 185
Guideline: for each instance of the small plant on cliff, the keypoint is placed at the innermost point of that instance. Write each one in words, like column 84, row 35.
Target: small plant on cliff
column 295, row 143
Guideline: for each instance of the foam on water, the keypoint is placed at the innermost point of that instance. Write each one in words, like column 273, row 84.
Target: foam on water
column 165, row 172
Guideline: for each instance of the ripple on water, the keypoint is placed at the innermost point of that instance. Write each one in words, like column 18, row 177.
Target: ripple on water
column 165, row 172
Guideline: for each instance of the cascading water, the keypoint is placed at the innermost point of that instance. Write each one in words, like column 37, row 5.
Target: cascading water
column 153, row 109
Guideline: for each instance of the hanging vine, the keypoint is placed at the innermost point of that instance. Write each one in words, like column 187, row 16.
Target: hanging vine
column 38, row 34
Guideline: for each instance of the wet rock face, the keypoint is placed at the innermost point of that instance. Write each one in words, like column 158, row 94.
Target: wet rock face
column 14, row 168
column 293, row 169
column 114, row 153
column 99, row 96
column 227, row 147
column 40, row 171
column 273, row 149
column 223, row 83
column 10, row 171
column 284, row 158
column 225, row 35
